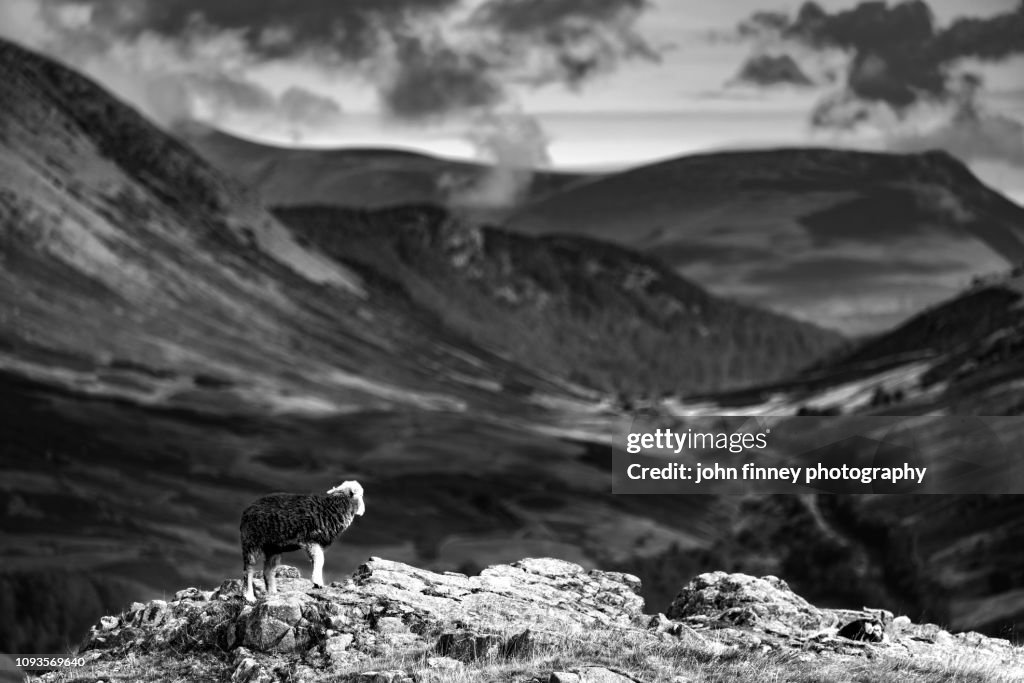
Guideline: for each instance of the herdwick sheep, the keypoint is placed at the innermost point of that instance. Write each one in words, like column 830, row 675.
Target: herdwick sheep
column 282, row 522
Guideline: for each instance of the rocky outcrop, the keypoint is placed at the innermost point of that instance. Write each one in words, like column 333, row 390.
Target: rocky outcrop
column 393, row 622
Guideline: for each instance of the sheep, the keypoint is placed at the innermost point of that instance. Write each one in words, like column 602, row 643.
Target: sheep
column 282, row 522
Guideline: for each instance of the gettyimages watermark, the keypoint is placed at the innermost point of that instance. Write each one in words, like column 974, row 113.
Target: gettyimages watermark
column 820, row 454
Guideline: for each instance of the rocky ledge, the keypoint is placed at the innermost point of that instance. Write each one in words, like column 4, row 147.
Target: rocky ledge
column 533, row 620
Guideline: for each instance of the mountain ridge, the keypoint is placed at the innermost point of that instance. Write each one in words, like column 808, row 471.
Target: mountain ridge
column 358, row 177
column 774, row 227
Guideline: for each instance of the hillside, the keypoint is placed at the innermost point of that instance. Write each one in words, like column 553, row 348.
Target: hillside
column 854, row 241
column 537, row 620
column 135, row 270
column 594, row 313
column 367, row 178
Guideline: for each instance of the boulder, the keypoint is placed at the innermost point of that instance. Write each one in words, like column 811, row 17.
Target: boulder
column 742, row 600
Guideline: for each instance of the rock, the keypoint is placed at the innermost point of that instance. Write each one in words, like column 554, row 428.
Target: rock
column 283, row 607
column 154, row 613
column 745, row 600
column 265, row 634
column 250, row 671
column 444, row 663
column 395, row 676
column 466, row 646
column 519, row 645
column 391, row 625
column 189, row 594
column 338, row 643
column 109, row 623
column 590, row 674
column 303, row 674
column 564, row 677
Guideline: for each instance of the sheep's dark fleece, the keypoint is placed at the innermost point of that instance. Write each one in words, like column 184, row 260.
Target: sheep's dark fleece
column 282, row 522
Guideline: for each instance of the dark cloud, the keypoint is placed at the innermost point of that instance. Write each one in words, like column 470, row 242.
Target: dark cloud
column 434, row 80
column 893, row 58
column 992, row 38
column 902, row 61
column 768, row 70
column 900, row 56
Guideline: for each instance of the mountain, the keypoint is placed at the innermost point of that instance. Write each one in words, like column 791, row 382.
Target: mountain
column 169, row 351
column 352, row 177
column 854, row 241
column 593, row 313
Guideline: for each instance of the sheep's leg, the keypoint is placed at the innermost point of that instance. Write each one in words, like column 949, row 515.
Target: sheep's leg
column 270, row 572
column 316, row 556
column 250, row 573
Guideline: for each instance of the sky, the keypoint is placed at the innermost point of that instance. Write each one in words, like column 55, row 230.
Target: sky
column 561, row 83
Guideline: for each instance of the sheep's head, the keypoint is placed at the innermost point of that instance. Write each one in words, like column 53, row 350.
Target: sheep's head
column 352, row 489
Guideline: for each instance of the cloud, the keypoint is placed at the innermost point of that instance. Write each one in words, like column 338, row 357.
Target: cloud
column 303, row 106
column 993, row 38
column 515, row 145
column 428, row 58
column 904, row 72
column 769, row 70
column 900, row 57
column 968, row 132
column 430, row 79
column 564, row 41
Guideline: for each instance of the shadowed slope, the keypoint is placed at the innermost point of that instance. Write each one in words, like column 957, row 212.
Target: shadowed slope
column 588, row 311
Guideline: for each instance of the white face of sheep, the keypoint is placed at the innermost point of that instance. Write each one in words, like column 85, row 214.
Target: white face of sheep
column 352, row 489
